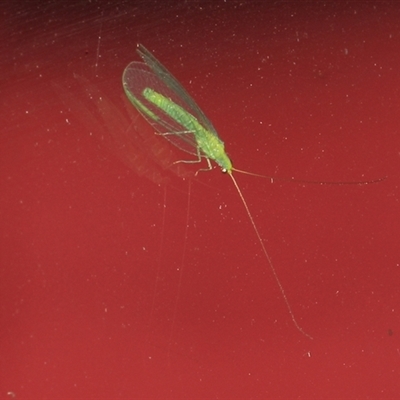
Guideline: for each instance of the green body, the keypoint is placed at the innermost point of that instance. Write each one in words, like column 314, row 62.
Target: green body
column 140, row 106
column 209, row 144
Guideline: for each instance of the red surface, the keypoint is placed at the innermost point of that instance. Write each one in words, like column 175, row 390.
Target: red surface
column 93, row 227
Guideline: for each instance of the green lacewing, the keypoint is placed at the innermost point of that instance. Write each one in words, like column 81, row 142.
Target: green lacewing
column 173, row 113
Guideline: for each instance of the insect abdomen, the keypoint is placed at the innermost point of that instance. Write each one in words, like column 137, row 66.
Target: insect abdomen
column 172, row 109
column 210, row 144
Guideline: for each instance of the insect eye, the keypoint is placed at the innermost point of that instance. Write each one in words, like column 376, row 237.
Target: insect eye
column 224, row 170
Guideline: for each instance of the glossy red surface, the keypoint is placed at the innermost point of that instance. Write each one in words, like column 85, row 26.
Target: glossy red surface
column 111, row 287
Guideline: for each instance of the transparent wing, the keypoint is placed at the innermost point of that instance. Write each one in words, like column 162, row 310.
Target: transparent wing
column 176, row 87
column 138, row 76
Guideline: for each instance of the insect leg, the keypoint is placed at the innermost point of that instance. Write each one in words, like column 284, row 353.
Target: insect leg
column 173, row 133
column 191, row 161
column 205, row 169
column 198, row 160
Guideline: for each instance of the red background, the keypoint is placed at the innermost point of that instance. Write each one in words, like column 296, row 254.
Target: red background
column 111, row 287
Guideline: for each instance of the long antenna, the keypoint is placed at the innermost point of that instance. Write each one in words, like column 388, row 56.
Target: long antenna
column 303, row 181
column 268, row 258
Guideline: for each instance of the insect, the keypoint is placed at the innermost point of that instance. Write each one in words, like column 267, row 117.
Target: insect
column 172, row 112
